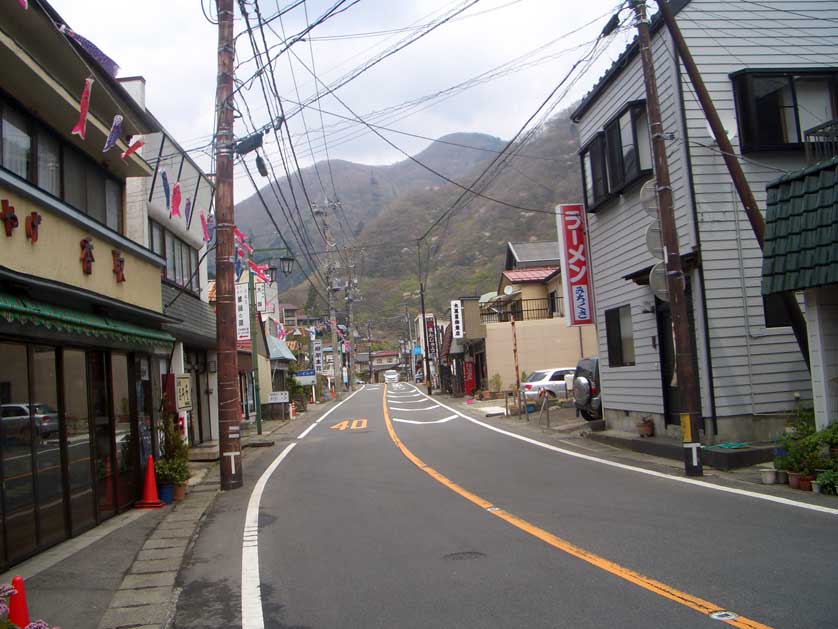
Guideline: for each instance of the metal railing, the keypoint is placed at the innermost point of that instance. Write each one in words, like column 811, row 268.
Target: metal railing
column 522, row 310
column 821, row 142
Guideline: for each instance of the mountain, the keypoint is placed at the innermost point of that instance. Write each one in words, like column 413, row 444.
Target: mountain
column 386, row 208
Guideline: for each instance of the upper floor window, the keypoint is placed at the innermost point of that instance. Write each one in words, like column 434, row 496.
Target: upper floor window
column 181, row 258
column 617, row 157
column 776, row 108
column 34, row 153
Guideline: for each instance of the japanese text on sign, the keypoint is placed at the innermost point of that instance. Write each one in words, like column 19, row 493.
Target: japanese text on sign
column 457, row 318
column 575, row 260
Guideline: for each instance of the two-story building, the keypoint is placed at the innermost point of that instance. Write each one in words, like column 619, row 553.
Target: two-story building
column 772, row 74
column 81, row 313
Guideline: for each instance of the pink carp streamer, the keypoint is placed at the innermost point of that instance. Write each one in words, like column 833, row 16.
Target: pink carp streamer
column 81, row 126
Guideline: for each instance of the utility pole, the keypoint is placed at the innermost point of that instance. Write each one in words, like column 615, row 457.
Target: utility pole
column 229, row 418
column 743, row 189
column 350, row 362
column 369, row 349
column 337, row 361
column 255, row 329
column 675, row 279
column 426, row 372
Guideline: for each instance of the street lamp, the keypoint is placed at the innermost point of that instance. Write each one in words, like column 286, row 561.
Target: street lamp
column 286, row 263
column 272, row 274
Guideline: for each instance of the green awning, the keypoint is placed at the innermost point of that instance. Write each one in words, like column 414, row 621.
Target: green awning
column 59, row 319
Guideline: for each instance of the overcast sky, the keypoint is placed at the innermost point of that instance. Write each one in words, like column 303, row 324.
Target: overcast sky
column 173, row 46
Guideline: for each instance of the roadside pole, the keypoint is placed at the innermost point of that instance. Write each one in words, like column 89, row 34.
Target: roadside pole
column 675, row 279
column 369, row 349
column 521, row 398
column 426, row 369
column 229, row 418
column 350, row 362
column 255, row 328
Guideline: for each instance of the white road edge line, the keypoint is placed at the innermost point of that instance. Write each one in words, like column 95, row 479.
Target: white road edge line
column 640, row 470
column 414, row 421
column 307, row 430
column 252, row 616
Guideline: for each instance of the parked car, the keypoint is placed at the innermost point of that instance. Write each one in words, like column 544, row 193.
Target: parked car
column 549, row 381
column 586, row 388
column 16, row 419
column 391, row 375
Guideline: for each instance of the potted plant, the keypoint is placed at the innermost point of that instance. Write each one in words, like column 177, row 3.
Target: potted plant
column 168, row 475
column 646, row 427
column 495, row 384
column 827, row 482
column 768, row 475
column 172, row 470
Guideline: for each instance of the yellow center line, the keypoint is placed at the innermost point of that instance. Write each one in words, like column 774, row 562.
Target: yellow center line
column 661, row 589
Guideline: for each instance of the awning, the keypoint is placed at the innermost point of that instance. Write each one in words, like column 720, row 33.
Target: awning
column 24, row 311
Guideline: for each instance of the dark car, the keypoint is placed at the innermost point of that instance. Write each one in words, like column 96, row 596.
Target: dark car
column 586, row 389
column 16, row 420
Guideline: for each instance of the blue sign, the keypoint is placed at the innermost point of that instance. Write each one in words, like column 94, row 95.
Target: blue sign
column 306, row 372
column 417, row 351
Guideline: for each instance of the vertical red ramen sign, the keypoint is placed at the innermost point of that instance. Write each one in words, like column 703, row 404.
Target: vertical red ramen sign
column 576, row 268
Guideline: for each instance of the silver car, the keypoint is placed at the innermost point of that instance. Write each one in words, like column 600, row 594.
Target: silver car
column 391, row 375
column 550, row 381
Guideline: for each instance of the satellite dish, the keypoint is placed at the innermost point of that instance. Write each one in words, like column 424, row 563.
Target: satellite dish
column 657, row 281
column 508, row 290
column 654, row 241
column 649, row 198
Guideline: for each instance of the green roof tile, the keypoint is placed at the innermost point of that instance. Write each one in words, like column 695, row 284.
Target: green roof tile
column 801, row 230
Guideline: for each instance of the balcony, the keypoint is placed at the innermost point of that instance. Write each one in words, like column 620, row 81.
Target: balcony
column 522, row 310
column 821, row 142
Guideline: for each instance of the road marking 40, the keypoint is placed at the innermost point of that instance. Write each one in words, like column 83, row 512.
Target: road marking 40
column 355, row 424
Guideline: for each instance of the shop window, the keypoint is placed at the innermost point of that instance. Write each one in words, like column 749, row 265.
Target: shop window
column 51, row 523
column 17, row 142
column 620, row 336
column 49, row 163
column 775, row 109
column 16, row 434
column 105, row 472
column 79, row 443
column 126, row 444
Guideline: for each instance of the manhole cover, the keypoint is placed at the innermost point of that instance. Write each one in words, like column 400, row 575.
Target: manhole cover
column 463, row 556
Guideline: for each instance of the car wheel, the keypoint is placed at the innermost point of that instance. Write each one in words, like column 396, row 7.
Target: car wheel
column 551, row 395
column 589, row 416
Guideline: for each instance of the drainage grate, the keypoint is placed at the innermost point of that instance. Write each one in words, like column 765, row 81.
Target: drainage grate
column 463, row 556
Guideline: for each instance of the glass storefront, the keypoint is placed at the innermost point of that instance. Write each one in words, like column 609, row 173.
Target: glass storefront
column 74, row 425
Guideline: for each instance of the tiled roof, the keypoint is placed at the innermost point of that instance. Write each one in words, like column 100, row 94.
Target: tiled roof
column 801, row 230
column 536, row 274
column 197, row 317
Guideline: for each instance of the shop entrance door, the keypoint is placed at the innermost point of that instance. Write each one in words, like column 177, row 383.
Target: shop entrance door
column 103, row 434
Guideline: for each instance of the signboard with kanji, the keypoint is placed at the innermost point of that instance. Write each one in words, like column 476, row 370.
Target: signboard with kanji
column 242, row 313
column 430, row 324
column 457, row 319
column 318, row 356
column 575, row 259
column 183, row 392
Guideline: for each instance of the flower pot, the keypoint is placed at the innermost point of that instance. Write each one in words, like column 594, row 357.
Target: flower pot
column 179, row 492
column 769, row 476
column 782, row 477
column 816, row 487
column 646, row 429
column 805, row 483
column 794, row 480
column 166, row 493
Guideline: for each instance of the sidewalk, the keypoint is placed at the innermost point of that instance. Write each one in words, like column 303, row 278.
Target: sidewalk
column 123, row 572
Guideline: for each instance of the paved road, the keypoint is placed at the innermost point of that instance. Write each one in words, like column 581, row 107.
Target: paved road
column 418, row 517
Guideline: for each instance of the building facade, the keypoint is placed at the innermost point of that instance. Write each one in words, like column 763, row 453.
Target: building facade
column 771, row 80
column 81, row 313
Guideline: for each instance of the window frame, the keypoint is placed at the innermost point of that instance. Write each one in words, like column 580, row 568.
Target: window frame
column 183, row 259
column 745, row 104
column 614, row 339
column 598, row 142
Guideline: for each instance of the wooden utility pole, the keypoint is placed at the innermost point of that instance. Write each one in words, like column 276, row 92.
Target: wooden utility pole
column 743, row 189
column 229, row 415
column 675, row 278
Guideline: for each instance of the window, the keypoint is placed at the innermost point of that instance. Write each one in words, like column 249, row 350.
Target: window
column 156, row 238
column 74, row 189
column 170, row 258
column 49, row 163
column 775, row 312
column 553, row 303
column 594, row 172
column 181, row 258
column 775, row 109
column 620, row 336
column 196, row 280
column 113, row 205
column 17, row 142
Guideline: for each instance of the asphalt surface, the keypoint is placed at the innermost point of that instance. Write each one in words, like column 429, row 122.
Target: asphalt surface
column 465, row 527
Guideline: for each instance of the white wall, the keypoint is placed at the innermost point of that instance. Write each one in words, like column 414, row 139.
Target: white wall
column 822, row 319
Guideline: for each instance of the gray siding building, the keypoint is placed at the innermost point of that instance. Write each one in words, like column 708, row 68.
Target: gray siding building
column 772, row 70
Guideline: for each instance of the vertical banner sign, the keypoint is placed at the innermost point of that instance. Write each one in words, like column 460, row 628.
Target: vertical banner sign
column 242, row 313
column 457, row 318
column 318, row 356
column 259, row 289
column 430, row 324
column 576, row 269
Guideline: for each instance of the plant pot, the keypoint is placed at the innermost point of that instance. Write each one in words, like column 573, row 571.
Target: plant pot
column 179, row 492
column 769, row 476
column 166, row 493
column 816, row 487
column 805, row 483
column 794, row 480
column 646, row 429
column 782, row 477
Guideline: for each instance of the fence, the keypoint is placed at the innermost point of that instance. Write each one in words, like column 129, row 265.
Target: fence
column 522, row 310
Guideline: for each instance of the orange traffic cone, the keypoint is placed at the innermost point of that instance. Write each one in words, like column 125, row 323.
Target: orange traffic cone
column 150, row 498
column 18, row 610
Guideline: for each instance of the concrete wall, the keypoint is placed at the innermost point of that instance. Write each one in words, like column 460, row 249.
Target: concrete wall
column 56, row 257
column 542, row 344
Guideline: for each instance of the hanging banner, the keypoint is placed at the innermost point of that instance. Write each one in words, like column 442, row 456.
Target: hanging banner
column 457, row 319
column 84, row 103
column 430, row 325
column 318, row 356
column 259, row 289
column 574, row 253
column 242, row 313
